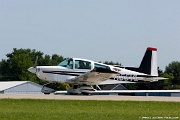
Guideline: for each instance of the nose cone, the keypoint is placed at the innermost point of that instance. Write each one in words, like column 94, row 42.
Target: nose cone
column 32, row 70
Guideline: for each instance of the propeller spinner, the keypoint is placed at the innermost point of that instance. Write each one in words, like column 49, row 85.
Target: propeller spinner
column 34, row 68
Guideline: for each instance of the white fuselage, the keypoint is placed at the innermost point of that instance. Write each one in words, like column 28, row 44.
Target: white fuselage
column 71, row 70
column 77, row 71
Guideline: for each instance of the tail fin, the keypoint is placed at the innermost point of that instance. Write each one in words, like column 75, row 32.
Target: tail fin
column 149, row 62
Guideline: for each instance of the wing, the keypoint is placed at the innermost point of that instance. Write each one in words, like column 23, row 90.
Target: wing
column 93, row 77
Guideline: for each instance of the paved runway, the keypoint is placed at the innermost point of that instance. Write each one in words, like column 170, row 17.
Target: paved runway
column 92, row 97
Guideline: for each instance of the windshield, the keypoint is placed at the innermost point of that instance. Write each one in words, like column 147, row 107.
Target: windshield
column 68, row 63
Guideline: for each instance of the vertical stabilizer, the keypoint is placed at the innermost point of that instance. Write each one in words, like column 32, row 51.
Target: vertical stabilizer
column 149, row 62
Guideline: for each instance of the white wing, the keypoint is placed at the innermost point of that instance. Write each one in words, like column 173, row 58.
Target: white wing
column 93, row 77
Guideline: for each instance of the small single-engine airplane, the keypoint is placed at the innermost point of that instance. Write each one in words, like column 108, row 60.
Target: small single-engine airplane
column 77, row 71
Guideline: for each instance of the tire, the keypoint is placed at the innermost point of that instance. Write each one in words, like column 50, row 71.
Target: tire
column 85, row 93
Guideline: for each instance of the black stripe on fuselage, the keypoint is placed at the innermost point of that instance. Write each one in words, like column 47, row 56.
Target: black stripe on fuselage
column 101, row 70
column 64, row 73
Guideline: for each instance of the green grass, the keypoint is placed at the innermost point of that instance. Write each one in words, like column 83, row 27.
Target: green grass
column 26, row 109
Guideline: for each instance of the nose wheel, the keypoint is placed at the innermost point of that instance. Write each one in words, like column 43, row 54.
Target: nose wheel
column 47, row 90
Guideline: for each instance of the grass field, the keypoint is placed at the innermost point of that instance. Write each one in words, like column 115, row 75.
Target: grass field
column 26, row 109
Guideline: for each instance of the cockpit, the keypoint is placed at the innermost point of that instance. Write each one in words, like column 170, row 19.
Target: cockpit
column 76, row 64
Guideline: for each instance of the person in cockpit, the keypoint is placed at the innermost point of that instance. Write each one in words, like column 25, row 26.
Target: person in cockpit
column 81, row 65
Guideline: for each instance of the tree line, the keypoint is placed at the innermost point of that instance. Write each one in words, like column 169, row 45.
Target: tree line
column 14, row 68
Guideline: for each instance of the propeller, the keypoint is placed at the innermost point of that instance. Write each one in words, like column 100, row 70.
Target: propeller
column 34, row 68
column 35, row 64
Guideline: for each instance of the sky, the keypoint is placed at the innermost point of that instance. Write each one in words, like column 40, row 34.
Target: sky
column 99, row 30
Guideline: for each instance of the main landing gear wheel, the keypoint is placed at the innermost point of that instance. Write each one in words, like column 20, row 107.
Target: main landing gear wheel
column 73, row 90
column 86, row 90
column 85, row 93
